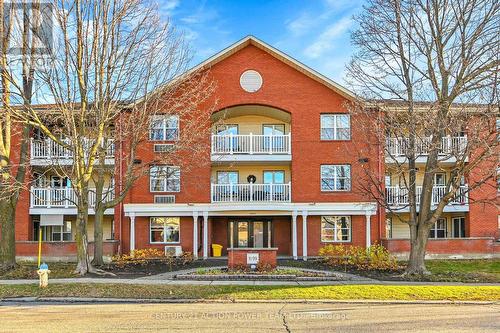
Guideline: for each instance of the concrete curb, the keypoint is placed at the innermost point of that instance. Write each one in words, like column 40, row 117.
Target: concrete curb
column 70, row 300
column 139, row 281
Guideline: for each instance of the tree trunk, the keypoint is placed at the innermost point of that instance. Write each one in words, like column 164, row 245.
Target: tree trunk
column 418, row 241
column 98, row 237
column 7, row 235
column 83, row 260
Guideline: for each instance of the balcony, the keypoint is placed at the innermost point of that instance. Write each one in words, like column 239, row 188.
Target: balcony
column 247, row 193
column 48, row 152
column 51, row 197
column 251, row 147
column 397, row 197
column 450, row 148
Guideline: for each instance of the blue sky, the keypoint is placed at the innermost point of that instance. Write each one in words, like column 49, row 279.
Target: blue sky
column 315, row 32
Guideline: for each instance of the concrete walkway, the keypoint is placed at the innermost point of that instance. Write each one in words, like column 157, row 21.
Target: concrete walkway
column 140, row 281
column 169, row 279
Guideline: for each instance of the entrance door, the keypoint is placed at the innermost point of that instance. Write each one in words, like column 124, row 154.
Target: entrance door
column 250, row 234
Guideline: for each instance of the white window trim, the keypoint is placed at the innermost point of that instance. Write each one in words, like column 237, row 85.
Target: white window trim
column 435, row 229
column 168, row 166
column 61, row 233
column 335, row 240
column 335, row 178
column 164, row 128
column 164, row 226
column 335, row 128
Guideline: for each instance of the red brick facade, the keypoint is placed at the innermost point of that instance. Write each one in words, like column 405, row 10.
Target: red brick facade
column 304, row 97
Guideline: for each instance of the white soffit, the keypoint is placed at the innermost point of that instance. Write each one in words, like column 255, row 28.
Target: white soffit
column 46, row 220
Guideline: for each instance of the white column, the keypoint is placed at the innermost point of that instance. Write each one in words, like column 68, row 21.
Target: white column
column 304, row 235
column 132, row 233
column 368, row 231
column 294, row 235
column 205, row 235
column 195, row 235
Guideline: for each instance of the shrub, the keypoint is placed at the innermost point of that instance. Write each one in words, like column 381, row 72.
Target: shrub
column 239, row 268
column 143, row 256
column 376, row 257
column 264, row 267
column 334, row 255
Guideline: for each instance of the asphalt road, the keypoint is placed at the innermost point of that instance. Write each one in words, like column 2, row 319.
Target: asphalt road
column 248, row 317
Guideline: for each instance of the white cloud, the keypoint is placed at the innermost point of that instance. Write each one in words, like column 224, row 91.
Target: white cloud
column 301, row 24
column 326, row 40
column 167, row 7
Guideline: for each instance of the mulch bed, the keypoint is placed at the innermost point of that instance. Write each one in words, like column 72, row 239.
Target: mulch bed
column 131, row 270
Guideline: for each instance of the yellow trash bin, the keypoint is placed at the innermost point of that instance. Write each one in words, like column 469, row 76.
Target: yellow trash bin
column 216, row 250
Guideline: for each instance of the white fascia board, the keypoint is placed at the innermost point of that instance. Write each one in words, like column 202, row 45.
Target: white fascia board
column 214, row 209
column 64, row 211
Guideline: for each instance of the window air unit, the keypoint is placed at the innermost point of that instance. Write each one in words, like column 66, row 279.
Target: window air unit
column 163, row 147
column 175, row 251
column 164, row 199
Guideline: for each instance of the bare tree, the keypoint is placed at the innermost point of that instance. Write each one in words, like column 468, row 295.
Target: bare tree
column 21, row 42
column 113, row 59
column 427, row 70
column 185, row 101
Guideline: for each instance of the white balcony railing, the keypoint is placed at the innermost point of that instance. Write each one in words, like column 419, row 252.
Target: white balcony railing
column 47, row 197
column 251, row 144
column 47, row 149
column 251, row 192
column 398, row 196
column 449, row 145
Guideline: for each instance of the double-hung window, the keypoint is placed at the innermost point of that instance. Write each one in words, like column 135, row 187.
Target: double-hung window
column 164, row 178
column 335, row 178
column 335, row 228
column 438, row 230
column 164, row 229
column 164, row 128
column 62, row 233
column 335, row 127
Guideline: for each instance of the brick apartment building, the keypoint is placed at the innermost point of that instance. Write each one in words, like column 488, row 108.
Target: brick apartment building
column 279, row 174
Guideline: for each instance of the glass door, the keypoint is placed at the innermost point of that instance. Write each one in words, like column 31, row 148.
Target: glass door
column 228, row 143
column 274, row 139
column 250, row 234
column 274, row 179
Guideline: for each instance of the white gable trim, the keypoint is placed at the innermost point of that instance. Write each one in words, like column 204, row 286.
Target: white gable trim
column 251, row 40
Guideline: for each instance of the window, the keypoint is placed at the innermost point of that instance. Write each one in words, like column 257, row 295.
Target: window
column 274, row 136
column 335, row 127
column 39, row 180
column 274, row 177
column 165, row 179
column 440, row 179
column 335, row 178
column 335, row 228
column 164, row 229
column 227, row 129
column 62, row 233
column 388, row 227
column 438, row 229
column 164, row 128
column 458, row 227
column 388, row 180
column 227, row 177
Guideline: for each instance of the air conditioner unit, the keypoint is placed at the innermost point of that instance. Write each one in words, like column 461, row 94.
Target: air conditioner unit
column 164, row 199
column 163, row 147
column 173, row 250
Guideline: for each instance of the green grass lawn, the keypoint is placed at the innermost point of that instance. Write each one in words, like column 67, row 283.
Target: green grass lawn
column 443, row 270
column 27, row 270
column 344, row 292
column 465, row 270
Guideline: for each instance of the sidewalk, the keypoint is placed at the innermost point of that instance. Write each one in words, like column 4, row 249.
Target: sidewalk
column 142, row 281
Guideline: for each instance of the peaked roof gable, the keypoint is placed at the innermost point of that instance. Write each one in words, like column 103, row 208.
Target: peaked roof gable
column 251, row 40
